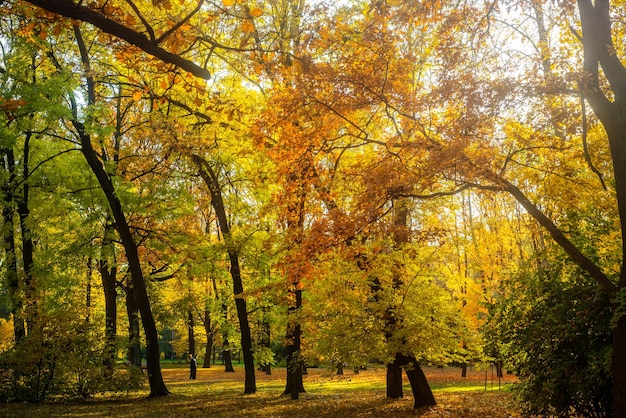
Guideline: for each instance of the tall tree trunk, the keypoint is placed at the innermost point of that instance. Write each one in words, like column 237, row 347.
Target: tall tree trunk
column 28, row 246
column 599, row 51
column 190, row 333
column 142, row 302
column 108, row 273
column 295, row 384
column 134, row 339
column 211, row 180
column 110, row 316
column 209, row 339
column 619, row 367
column 157, row 386
column 88, row 290
column 242, row 314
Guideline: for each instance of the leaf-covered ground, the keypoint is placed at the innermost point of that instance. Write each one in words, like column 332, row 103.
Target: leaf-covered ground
column 219, row 394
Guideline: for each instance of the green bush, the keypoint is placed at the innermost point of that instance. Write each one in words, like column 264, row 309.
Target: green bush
column 555, row 333
column 60, row 358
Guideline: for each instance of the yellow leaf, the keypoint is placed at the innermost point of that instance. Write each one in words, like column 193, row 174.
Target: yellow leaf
column 256, row 12
column 228, row 3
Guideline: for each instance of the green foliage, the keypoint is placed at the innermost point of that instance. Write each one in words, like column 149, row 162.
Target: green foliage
column 264, row 356
column 555, row 328
column 60, row 357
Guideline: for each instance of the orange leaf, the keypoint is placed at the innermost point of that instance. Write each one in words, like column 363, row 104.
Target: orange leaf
column 247, row 26
column 137, row 96
column 228, row 3
column 256, row 12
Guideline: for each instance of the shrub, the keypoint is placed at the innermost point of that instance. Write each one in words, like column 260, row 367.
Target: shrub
column 556, row 333
column 60, row 358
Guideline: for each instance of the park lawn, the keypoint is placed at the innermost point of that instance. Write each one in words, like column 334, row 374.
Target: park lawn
column 219, row 394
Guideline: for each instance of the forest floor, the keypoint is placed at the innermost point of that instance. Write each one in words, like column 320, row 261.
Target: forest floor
column 216, row 393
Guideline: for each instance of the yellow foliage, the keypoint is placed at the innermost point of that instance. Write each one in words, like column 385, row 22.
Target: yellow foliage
column 6, row 334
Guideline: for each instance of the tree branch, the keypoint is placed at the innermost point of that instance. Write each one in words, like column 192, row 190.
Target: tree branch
column 72, row 10
column 582, row 260
column 179, row 24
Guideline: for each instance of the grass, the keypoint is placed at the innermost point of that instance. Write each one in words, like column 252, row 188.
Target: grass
column 219, row 394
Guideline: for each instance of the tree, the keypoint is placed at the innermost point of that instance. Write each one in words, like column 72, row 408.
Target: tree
column 604, row 94
column 140, row 295
column 599, row 51
column 212, row 182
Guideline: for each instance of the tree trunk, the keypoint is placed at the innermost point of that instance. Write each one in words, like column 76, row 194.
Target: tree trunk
column 157, row 386
column 295, row 384
column 141, row 300
column 244, row 326
column 190, row 333
column 209, row 339
column 499, row 368
column 265, row 331
column 422, row 394
column 212, row 182
column 619, row 368
column 28, row 247
column 88, row 290
column 134, row 339
column 227, row 356
column 110, row 313
column 394, row 380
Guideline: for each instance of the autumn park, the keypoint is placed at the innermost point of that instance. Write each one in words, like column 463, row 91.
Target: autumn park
column 312, row 208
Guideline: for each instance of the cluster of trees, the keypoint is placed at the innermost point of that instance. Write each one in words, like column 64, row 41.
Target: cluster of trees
column 395, row 180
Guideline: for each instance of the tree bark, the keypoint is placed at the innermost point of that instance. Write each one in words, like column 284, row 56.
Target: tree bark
column 599, row 50
column 108, row 273
column 110, row 313
column 422, row 394
column 394, row 380
column 619, row 367
column 134, row 339
column 190, row 333
column 295, row 384
column 227, row 356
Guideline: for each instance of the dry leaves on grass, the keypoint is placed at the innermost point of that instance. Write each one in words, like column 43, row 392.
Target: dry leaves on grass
column 219, row 394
